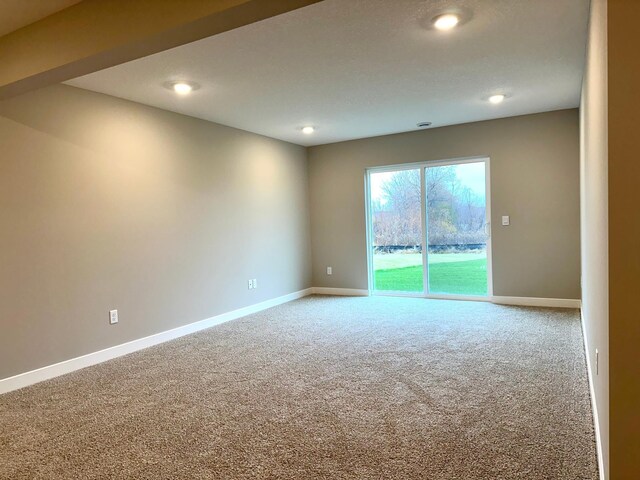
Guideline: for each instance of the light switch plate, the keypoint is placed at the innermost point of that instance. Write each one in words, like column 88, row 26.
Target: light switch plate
column 506, row 221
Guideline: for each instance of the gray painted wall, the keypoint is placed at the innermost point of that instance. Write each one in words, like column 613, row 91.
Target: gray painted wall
column 534, row 179
column 594, row 215
column 106, row 204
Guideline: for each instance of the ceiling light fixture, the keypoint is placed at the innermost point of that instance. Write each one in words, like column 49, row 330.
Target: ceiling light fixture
column 308, row 130
column 181, row 87
column 495, row 99
column 446, row 21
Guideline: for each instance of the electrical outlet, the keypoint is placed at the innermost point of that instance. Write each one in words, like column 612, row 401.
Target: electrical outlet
column 329, row 271
column 250, row 284
column 255, row 283
column 113, row 317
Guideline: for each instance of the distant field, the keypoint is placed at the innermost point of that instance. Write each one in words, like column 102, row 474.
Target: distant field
column 453, row 273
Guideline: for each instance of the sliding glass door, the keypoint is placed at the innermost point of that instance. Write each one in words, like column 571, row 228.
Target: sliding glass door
column 457, row 229
column 429, row 230
column 397, row 230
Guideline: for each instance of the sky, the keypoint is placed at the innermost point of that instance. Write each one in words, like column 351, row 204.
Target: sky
column 472, row 175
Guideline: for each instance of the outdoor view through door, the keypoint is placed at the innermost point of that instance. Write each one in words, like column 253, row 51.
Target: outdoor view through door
column 396, row 213
column 442, row 205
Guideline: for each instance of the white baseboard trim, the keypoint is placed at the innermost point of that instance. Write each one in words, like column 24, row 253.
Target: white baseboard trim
column 521, row 301
column 67, row 366
column 538, row 302
column 351, row 292
column 594, row 405
column 45, row 373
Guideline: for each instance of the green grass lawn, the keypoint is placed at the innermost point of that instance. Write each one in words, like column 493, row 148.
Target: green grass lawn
column 461, row 274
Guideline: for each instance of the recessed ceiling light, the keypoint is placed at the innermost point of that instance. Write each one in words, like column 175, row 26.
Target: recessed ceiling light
column 308, row 130
column 446, row 21
column 495, row 99
column 181, row 87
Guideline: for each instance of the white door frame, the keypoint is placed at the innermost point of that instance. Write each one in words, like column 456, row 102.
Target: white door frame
column 425, row 255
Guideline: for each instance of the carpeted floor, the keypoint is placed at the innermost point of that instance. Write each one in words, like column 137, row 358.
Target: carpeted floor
column 323, row 387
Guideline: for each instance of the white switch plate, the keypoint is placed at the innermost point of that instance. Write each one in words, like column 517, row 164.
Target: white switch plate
column 329, row 271
column 255, row 283
column 506, row 221
column 113, row 317
column 250, row 284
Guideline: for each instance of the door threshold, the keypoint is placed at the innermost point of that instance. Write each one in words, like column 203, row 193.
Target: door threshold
column 468, row 298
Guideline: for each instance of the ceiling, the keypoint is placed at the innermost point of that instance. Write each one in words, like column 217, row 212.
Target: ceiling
column 15, row 14
column 361, row 68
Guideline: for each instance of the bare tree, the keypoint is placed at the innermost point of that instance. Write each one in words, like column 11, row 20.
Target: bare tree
column 455, row 212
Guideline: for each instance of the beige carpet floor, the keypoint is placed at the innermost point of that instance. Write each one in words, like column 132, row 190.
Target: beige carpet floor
column 323, row 387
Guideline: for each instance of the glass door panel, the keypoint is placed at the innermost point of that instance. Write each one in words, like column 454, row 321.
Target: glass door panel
column 456, row 206
column 397, row 231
